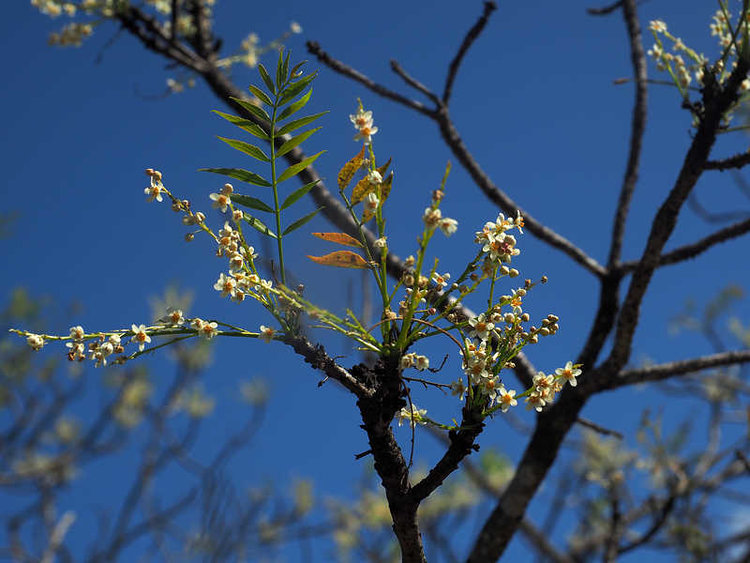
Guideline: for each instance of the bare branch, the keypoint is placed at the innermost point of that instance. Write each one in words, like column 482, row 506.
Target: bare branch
column 664, row 371
column 414, row 83
column 316, row 356
column 737, row 161
column 598, row 428
column 694, row 249
column 314, row 48
column 606, row 10
column 468, row 41
column 637, row 129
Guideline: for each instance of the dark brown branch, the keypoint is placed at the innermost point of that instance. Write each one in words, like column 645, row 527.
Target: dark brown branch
column 664, row 371
column 468, row 41
column 606, row 10
column 717, row 99
column 461, row 445
column 736, row 161
column 202, row 39
column 552, row 426
column 713, row 216
column 313, row 47
column 414, row 83
column 637, row 129
column 505, row 203
column 694, row 249
column 598, row 428
column 316, row 356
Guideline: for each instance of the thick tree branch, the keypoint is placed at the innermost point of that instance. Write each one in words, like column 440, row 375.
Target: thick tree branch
column 637, row 129
column 468, row 41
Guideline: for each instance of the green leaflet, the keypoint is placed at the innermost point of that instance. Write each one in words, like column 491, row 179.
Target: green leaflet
column 294, row 89
column 297, row 123
column 250, row 107
column 245, row 124
column 250, row 202
column 258, row 225
column 260, row 94
column 266, row 78
column 294, row 141
column 297, row 168
column 301, row 221
column 298, row 193
column 247, row 148
column 296, row 106
column 241, row 175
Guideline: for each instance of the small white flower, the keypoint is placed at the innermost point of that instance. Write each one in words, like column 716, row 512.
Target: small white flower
column 267, row 333
column 77, row 332
column 380, row 243
column 35, row 341
column 140, row 336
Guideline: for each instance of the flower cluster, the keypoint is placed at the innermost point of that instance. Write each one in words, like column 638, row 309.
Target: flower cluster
column 496, row 243
column 545, row 387
column 413, row 360
column 71, row 35
column 685, row 64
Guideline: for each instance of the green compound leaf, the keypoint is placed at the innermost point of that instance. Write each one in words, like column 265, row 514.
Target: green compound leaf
column 298, row 193
column 258, row 112
column 260, row 94
column 250, row 202
column 297, row 168
column 266, row 78
column 297, row 123
column 294, row 141
column 295, row 107
column 301, row 221
column 296, row 88
column 258, row 225
column 245, row 124
column 241, row 175
column 247, row 148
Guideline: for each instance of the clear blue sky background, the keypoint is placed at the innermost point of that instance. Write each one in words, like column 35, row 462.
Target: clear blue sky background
column 534, row 101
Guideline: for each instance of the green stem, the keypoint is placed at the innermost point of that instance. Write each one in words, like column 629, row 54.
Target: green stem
column 276, row 209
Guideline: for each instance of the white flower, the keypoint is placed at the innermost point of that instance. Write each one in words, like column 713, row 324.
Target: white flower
column 140, row 336
column 267, row 333
column 362, row 121
column 208, row 330
column 294, row 27
column 448, row 226
column 77, row 332
column 374, row 177
column 221, row 201
column 506, row 398
column 380, row 243
column 226, row 285
column 481, row 328
column 36, row 341
column 372, row 202
column 154, row 193
column 569, row 373
column 415, row 416
column 422, row 363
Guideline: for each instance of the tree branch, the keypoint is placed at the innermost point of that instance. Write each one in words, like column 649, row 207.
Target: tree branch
column 692, row 250
column 716, row 101
column 672, row 369
column 468, row 41
column 637, row 129
column 737, row 161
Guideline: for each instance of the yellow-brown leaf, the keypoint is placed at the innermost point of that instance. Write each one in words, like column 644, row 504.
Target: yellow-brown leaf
column 360, row 191
column 339, row 238
column 341, row 259
column 350, row 168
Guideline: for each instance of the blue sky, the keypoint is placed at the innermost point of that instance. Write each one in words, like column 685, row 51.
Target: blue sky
column 534, row 101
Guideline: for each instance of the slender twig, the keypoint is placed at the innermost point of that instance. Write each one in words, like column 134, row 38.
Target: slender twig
column 637, row 129
column 598, row 428
column 664, row 371
column 414, row 83
column 605, row 10
column 694, row 249
column 468, row 41
column 314, row 48
column 737, row 161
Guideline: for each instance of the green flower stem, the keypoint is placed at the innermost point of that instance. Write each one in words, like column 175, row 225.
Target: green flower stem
column 275, row 187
